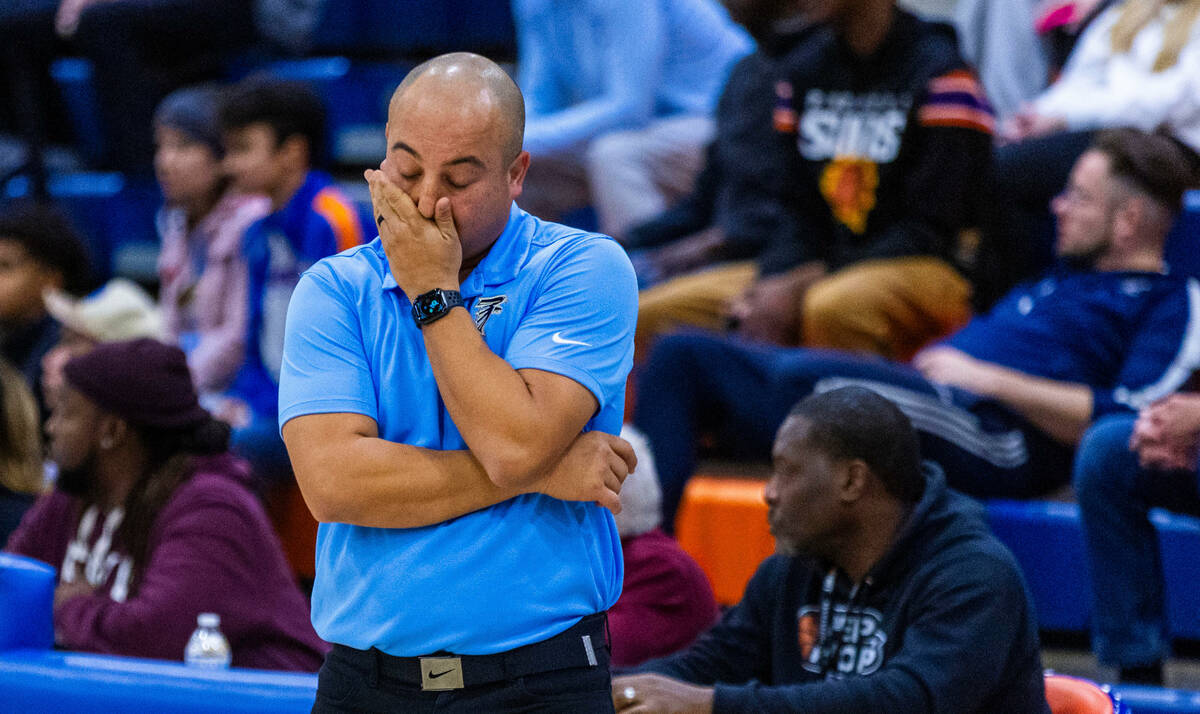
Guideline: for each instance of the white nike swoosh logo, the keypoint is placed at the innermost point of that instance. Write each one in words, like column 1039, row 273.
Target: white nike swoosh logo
column 558, row 339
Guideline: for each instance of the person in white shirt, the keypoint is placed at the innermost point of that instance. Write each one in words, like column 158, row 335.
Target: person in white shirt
column 1137, row 65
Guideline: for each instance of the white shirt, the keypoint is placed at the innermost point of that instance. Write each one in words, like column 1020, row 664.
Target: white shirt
column 1099, row 89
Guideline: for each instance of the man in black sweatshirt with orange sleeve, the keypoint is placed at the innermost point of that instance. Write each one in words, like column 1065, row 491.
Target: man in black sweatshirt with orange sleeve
column 879, row 145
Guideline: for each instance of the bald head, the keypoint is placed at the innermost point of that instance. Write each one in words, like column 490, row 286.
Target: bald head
column 465, row 77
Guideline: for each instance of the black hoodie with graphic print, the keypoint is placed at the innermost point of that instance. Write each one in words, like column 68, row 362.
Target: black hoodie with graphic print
column 942, row 623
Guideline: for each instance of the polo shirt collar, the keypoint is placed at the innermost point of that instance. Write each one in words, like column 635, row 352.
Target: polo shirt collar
column 501, row 264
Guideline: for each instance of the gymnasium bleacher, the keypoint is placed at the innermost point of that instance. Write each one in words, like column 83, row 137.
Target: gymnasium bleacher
column 362, row 49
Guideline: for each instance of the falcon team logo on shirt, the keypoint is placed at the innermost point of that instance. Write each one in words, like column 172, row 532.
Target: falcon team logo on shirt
column 486, row 307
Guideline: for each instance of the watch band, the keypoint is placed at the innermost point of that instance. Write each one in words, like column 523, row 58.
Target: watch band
column 433, row 305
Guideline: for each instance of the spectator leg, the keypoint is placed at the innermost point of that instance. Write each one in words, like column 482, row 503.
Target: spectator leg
column 138, row 48
column 694, row 300
column 695, row 384
column 1115, row 496
column 741, row 392
column 886, row 307
column 27, row 47
column 636, row 175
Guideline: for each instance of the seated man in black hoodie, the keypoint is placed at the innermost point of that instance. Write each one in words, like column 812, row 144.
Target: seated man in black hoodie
column 891, row 594
column 850, row 156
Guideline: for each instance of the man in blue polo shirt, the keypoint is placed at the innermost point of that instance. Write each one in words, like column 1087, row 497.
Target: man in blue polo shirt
column 449, row 398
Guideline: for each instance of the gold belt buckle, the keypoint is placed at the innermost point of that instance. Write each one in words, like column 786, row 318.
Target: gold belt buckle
column 441, row 673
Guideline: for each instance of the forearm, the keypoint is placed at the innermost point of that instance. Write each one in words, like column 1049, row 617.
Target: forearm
column 1061, row 409
column 553, row 133
column 491, row 403
column 690, row 215
column 372, row 482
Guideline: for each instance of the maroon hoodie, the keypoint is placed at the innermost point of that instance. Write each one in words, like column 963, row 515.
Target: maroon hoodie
column 212, row 549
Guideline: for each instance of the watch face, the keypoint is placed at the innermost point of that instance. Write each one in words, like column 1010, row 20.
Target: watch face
column 433, row 304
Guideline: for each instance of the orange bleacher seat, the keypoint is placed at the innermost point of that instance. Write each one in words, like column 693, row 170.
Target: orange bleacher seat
column 1071, row 695
column 722, row 523
column 296, row 527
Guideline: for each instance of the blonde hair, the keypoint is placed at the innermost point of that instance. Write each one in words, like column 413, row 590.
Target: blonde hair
column 20, row 434
column 1136, row 14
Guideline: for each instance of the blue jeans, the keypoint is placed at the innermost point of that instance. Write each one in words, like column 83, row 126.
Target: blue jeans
column 1129, row 623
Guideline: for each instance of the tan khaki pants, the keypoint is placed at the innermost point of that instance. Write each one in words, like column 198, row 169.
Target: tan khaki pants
column 889, row 307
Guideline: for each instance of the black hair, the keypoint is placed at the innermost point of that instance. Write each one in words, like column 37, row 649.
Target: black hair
column 1155, row 163
column 50, row 239
column 171, row 462
column 289, row 108
column 857, row 423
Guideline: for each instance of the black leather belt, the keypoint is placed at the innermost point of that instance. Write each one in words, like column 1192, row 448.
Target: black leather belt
column 582, row 645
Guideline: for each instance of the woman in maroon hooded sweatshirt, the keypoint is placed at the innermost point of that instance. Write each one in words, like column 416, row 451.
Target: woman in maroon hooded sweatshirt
column 152, row 521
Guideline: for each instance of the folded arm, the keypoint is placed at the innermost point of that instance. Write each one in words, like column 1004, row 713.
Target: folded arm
column 518, row 412
column 347, row 474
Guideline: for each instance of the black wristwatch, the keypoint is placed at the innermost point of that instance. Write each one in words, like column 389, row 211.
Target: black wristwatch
column 429, row 307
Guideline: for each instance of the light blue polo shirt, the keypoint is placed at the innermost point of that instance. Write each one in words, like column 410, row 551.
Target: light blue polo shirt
column 546, row 297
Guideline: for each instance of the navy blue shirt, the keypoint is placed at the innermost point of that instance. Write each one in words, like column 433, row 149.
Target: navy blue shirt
column 1132, row 337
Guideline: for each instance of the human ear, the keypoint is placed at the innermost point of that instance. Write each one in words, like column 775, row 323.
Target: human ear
column 113, row 430
column 852, row 480
column 516, row 174
column 1128, row 218
column 296, row 148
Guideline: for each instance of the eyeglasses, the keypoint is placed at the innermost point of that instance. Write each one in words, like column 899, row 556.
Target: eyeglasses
column 1077, row 196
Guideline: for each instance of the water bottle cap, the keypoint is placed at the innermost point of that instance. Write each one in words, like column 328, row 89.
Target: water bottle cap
column 208, row 619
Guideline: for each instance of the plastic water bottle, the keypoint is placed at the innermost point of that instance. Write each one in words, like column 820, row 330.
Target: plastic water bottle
column 207, row 648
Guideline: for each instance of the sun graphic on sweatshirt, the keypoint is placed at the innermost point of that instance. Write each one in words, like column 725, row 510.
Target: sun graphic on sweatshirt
column 848, row 185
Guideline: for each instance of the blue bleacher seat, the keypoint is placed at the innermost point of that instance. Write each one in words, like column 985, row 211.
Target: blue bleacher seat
column 1045, row 538
column 36, row 680
column 1183, row 245
column 26, row 594
column 407, row 27
column 340, row 27
column 1048, row 543
column 73, row 76
column 1179, row 538
column 415, row 28
column 1156, row 700
column 110, row 212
